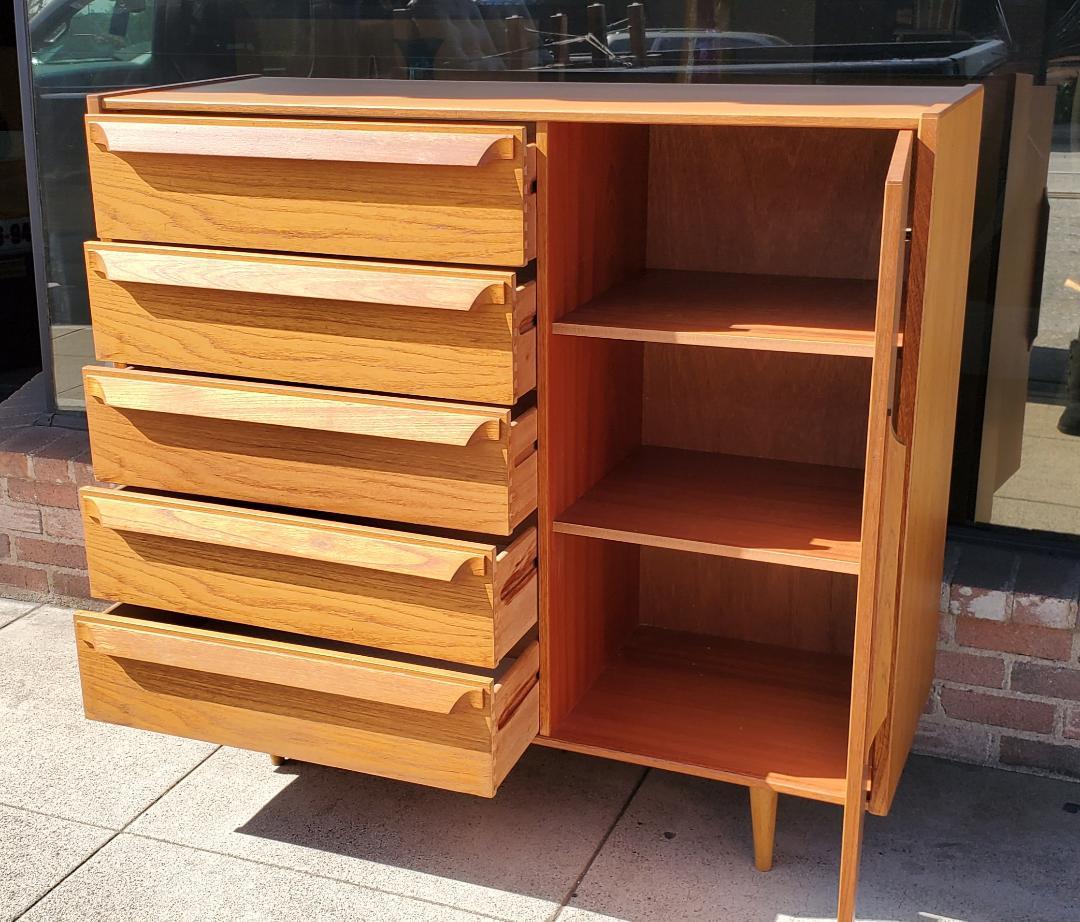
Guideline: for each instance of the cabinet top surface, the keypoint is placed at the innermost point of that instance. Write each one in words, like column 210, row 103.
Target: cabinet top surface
column 720, row 104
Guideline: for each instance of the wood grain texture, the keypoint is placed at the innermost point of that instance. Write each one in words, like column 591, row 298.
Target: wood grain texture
column 419, row 212
column 781, row 313
column 882, row 512
column 763, row 818
column 370, row 142
column 356, row 676
column 812, row 610
column 591, row 187
column 753, row 509
column 263, row 532
column 745, row 713
column 744, row 104
column 720, row 399
column 488, row 486
column 144, row 682
column 456, row 334
column 300, row 276
column 337, row 412
column 398, row 591
column 943, row 196
column 754, row 200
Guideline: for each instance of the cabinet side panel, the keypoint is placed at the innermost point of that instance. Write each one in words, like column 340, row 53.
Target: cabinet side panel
column 592, row 181
column 946, row 166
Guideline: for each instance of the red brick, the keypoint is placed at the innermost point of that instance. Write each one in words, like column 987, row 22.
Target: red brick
column 970, row 669
column 14, row 464
column 61, row 495
column 53, row 462
column 998, row 710
column 71, row 585
column 20, row 490
column 5, row 545
column 968, row 742
column 1048, row 681
column 1072, row 724
column 15, row 447
column 51, row 470
column 1063, row 759
column 32, row 579
column 62, row 523
column 1026, row 639
column 53, row 553
column 58, row 495
column 20, row 518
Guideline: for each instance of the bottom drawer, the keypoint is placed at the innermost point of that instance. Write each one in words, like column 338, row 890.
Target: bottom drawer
column 458, row 729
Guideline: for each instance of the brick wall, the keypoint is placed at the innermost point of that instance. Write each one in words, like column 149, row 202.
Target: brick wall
column 41, row 552
column 1007, row 690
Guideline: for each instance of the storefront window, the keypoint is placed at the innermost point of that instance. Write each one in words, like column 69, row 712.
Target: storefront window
column 1039, row 485
column 1026, row 461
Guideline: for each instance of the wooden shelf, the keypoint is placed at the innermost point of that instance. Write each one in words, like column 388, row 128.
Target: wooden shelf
column 775, row 312
column 802, row 515
column 731, row 710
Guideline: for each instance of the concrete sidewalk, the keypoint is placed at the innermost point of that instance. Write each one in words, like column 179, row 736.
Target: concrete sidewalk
column 100, row 822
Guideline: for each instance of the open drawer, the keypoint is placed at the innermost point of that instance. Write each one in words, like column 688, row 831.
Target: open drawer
column 429, row 331
column 457, row 729
column 438, row 597
column 448, row 465
column 457, row 193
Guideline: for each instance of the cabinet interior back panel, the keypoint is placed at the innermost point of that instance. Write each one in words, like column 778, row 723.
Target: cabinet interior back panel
column 782, row 201
column 811, row 610
column 790, row 407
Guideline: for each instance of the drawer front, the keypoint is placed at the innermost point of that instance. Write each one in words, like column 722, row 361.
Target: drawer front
column 440, row 598
column 427, row 192
column 426, row 463
column 457, row 730
column 455, row 334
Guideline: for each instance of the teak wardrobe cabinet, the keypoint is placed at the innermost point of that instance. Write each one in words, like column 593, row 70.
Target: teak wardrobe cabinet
column 452, row 417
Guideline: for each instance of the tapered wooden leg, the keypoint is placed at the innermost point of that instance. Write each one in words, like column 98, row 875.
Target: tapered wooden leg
column 277, row 760
column 763, row 818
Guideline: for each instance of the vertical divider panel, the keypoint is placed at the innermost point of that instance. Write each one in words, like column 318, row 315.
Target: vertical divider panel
column 883, row 503
column 592, row 195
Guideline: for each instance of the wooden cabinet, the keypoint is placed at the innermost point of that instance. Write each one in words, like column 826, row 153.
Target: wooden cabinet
column 687, row 507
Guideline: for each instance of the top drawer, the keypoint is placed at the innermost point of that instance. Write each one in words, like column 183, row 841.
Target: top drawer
column 442, row 193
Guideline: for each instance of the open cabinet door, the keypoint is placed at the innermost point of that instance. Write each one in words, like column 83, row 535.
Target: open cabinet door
column 1018, row 290
column 882, row 515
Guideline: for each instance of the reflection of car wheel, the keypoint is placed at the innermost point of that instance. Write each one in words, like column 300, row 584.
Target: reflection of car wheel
column 1070, row 417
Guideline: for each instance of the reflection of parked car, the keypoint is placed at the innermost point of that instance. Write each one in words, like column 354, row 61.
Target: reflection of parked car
column 692, row 41
column 713, row 60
